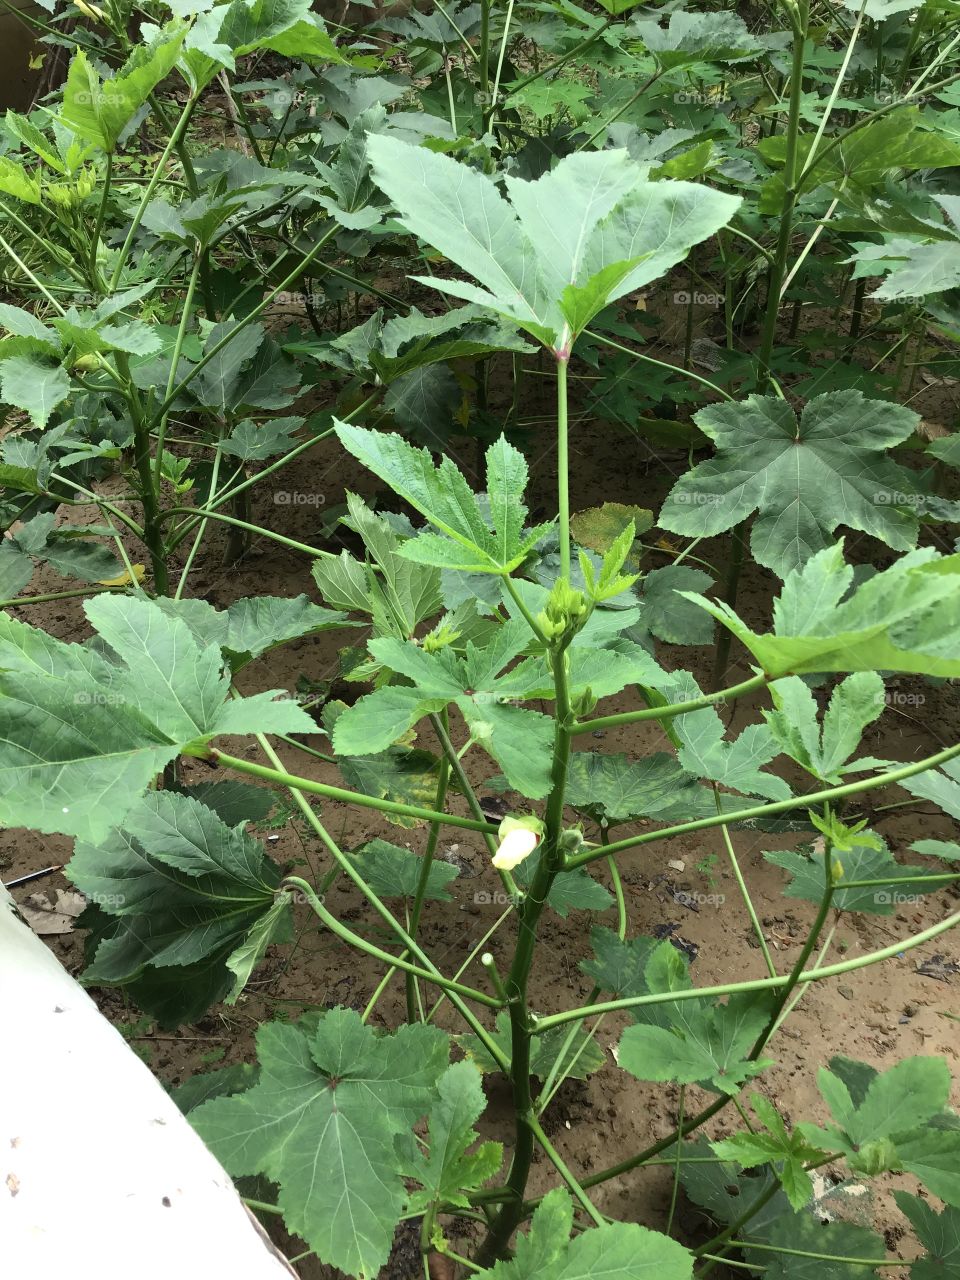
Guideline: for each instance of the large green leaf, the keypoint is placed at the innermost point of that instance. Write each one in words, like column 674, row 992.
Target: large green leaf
column 404, row 774
column 254, row 625
column 616, row 789
column 98, row 111
column 619, row 964
column 691, row 38
column 449, row 1168
column 786, row 1152
column 915, row 267
column 442, row 495
column 70, row 549
column 397, row 598
column 322, row 1123
column 905, row 618
column 519, row 740
column 864, row 157
column 854, row 703
column 704, row 752
column 82, row 736
column 890, row 1126
column 866, row 861
column 615, row 1251
column 34, row 386
column 804, row 479
column 584, row 234
column 693, row 1040
column 178, row 887
column 393, row 872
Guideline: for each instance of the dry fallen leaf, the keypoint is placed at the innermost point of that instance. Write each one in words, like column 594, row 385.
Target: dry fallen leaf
column 51, row 917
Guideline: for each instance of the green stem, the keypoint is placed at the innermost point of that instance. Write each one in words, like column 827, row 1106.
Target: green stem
column 676, row 1165
column 427, row 862
column 348, row 868
column 175, row 362
column 57, row 595
column 248, row 319
column 521, row 1026
column 101, row 214
column 745, row 893
column 203, row 514
column 161, row 164
column 662, row 364
column 757, row 984
column 149, row 489
column 721, row 656
column 764, row 810
column 563, row 466
column 670, row 710
column 284, row 779
column 395, row 962
column 564, row 1172
column 477, row 949
column 821, row 1257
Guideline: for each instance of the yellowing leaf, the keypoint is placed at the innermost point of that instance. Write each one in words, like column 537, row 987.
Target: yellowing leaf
column 123, row 579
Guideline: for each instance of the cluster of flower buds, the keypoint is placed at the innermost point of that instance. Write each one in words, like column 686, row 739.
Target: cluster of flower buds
column 564, row 613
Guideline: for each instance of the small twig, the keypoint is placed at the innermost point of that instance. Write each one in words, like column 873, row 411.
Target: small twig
column 32, row 875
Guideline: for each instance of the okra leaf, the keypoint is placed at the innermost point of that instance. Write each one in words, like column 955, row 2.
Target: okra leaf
column 34, row 386
column 802, row 478
column 704, row 751
column 449, row 1168
column 667, row 614
column 98, row 111
column 616, row 789
column 82, row 736
column 866, row 861
column 787, row 1152
column 175, row 886
column 905, row 618
column 806, row 1232
column 571, row 890
column 942, row 786
column 404, row 774
column 932, row 1154
column 618, row 1251
column 442, row 496
column 619, row 965
column 332, row 1096
column 898, row 1123
column 254, row 625
column 694, row 1039
column 939, row 1233
column 692, row 38
column 393, row 872
column 584, row 234
column 854, row 703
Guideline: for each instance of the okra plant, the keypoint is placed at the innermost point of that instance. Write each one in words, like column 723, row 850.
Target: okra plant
column 150, row 376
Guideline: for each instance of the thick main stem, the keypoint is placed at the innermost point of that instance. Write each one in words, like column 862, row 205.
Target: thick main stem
column 551, row 861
